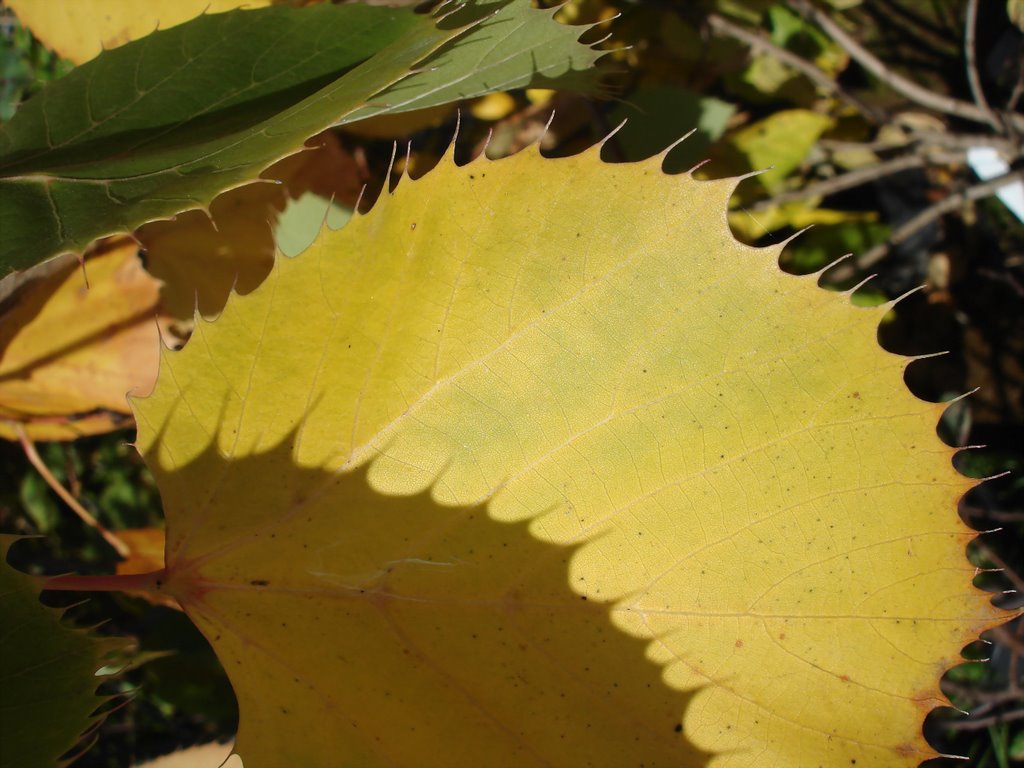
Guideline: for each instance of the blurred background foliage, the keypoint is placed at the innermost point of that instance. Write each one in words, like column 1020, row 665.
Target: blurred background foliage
column 865, row 119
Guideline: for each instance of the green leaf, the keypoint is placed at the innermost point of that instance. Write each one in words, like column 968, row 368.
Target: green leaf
column 49, row 674
column 164, row 124
column 302, row 219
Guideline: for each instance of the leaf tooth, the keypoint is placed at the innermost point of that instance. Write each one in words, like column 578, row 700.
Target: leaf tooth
column 598, row 146
column 664, row 153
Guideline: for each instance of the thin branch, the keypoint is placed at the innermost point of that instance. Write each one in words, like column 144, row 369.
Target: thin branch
column 1011, row 641
column 964, row 141
column 1018, row 91
column 1011, row 575
column 985, row 697
column 723, row 26
column 844, row 181
column 921, row 220
column 909, row 89
column 33, row 456
column 953, row 141
column 970, row 54
column 985, row 722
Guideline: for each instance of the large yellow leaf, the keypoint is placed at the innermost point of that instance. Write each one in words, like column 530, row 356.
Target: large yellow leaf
column 82, row 29
column 535, row 465
column 70, row 353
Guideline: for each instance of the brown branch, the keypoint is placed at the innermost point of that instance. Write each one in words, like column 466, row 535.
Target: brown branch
column 957, row 142
column 33, row 457
column 844, row 181
column 973, row 78
column 921, row 220
column 1004, row 636
column 907, row 88
column 984, row 697
column 964, row 141
column 723, row 26
column 1013, row 577
column 985, row 722
column 1018, row 91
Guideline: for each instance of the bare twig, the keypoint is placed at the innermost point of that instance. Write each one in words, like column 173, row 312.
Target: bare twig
column 973, row 693
column 911, row 90
column 1008, row 572
column 952, row 141
column 33, row 456
column 723, row 26
column 1011, row 641
column 970, row 54
column 844, row 181
column 985, row 722
column 903, row 233
column 1018, row 91
column 964, row 141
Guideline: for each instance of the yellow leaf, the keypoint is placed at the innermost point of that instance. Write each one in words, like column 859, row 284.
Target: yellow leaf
column 752, row 226
column 534, row 464
column 1015, row 10
column 69, row 354
column 493, row 106
column 146, row 547
column 80, row 30
column 205, row 756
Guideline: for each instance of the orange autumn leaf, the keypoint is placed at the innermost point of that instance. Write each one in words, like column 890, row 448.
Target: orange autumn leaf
column 71, row 353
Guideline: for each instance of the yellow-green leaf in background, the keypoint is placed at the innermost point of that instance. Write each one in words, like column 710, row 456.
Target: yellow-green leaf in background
column 1015, row 10
column 534, row 464
column 751, row 226
column 780, row 142
column 82, row 29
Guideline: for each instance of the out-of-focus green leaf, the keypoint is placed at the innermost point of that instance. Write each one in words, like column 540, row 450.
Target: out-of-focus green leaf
column 766, row 80
column 658, row 116
column 1015, row 10
column 1016, row 750
column 780, row 142
column 301, row 221
column 824, row 244
column 794, row 33
column 49, row 674
column 747, row 10
column 37, row 500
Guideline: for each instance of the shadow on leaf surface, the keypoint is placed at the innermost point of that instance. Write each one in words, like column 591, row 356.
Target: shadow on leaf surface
column 376, row 629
